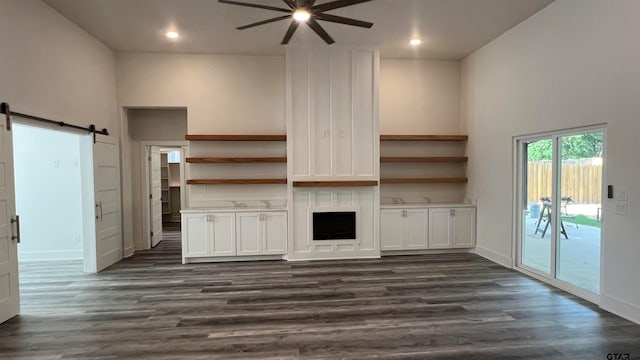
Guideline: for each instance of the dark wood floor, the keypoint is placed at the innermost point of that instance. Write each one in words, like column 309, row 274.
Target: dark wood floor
column 456, row 306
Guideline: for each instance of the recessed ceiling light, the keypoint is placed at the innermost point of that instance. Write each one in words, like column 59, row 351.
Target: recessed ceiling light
column 172, row 34
column 415, row 42
column 301, row 15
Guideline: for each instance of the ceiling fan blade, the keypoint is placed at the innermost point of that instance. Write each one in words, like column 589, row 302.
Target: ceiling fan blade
column 292, row 28
column 255, row 5
column 264, row 22
column 290, row 3
column 313, row 24
column 336, row 5
column 343, row 20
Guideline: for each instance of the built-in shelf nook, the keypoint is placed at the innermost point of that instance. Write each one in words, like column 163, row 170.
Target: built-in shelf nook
column 439, row 139
column 237, row 159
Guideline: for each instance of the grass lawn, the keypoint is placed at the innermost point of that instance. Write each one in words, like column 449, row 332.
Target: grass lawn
column 584, row 220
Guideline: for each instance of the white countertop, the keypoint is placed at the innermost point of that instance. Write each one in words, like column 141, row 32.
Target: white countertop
column 421, row 202
column 239, row 206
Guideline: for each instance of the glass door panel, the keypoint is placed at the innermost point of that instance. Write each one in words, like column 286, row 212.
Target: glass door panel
column 578, row 253
column 537, row 226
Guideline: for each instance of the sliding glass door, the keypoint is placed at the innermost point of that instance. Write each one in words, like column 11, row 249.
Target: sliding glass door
column 535, row 217
column 560, row 207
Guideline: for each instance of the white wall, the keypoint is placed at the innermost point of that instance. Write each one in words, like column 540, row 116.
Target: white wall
column 419, row 96
column 223, row 93
column 573, row 64
column 48, row 196
column 52, row 68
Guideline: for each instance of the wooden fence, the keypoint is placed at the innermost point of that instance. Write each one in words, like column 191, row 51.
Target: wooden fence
column 581, row 182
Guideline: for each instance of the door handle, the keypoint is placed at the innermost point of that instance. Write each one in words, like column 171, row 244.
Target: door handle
column 16, row 237
column 99, row 207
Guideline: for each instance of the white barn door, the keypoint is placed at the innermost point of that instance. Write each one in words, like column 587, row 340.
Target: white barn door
column 156, row 196
column 9, row 231
column 106, row 168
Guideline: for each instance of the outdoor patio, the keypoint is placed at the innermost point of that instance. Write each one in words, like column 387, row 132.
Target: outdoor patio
column 579, row 255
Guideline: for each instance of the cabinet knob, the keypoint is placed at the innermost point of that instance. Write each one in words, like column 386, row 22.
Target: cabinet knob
column 452, row 212
column 404, row 213
column 261, row 217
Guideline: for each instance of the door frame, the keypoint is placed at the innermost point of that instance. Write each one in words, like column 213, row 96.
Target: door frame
column 517, row 186
column 144, row 179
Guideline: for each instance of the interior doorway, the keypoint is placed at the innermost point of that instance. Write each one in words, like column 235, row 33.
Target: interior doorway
column 560, row 191
column 68, row 207
column 164, row 184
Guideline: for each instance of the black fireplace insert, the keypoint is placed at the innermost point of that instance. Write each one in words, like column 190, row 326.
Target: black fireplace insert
column 334, row 225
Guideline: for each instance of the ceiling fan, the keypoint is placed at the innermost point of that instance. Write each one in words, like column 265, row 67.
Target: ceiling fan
column 305, row 11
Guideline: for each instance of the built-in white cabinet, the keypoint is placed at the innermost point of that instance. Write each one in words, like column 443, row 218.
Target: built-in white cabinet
column 221, row 234
column 194, row 235
column 224, row 234
column 261, row 233
column 427, row 228
column 403, row 229
column 452, row 228
column 208, row 235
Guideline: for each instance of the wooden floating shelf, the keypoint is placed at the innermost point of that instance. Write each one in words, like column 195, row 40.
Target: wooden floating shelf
column 423, row 181
column 423, row 137
column 391, row 159
column 237, row 182
column 236, row 137
column 235, row 160
column 335, row 183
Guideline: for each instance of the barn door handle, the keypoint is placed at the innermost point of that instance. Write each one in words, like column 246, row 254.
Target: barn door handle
column 16, row 221
column 100, row 210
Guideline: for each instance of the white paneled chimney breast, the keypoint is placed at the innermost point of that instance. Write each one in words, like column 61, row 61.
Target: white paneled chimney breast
column 333, row 152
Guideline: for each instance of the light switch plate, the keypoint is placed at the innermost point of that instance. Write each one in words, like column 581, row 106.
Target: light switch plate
column 620, row 193
column 621, row 208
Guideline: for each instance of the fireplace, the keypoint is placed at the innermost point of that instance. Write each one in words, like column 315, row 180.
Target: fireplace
column 334, row 225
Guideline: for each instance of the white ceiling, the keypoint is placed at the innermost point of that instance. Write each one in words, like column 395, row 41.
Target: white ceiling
column 451, row 29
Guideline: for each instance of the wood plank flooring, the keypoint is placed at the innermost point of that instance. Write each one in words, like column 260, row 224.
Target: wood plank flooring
column 456, row 306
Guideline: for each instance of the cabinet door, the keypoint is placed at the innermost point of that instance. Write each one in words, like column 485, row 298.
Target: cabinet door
column 416, row 228
column 194, row 235
column 248, row 232
column 464, row 227
column 392, row 230
column 222, row 234
column 440, row 228
column 274, row 225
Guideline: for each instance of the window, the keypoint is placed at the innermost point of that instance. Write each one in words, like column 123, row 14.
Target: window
column 173, row 157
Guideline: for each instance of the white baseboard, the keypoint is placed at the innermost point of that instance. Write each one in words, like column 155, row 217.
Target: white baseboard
column 329, row 258
column 620, row 307
column 494, row 256
column 50, row 255
column 423, row 252
column 232, row 259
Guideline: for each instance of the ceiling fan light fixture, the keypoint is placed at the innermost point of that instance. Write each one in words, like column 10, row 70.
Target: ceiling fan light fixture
column 301, row 15
column 172, row 34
